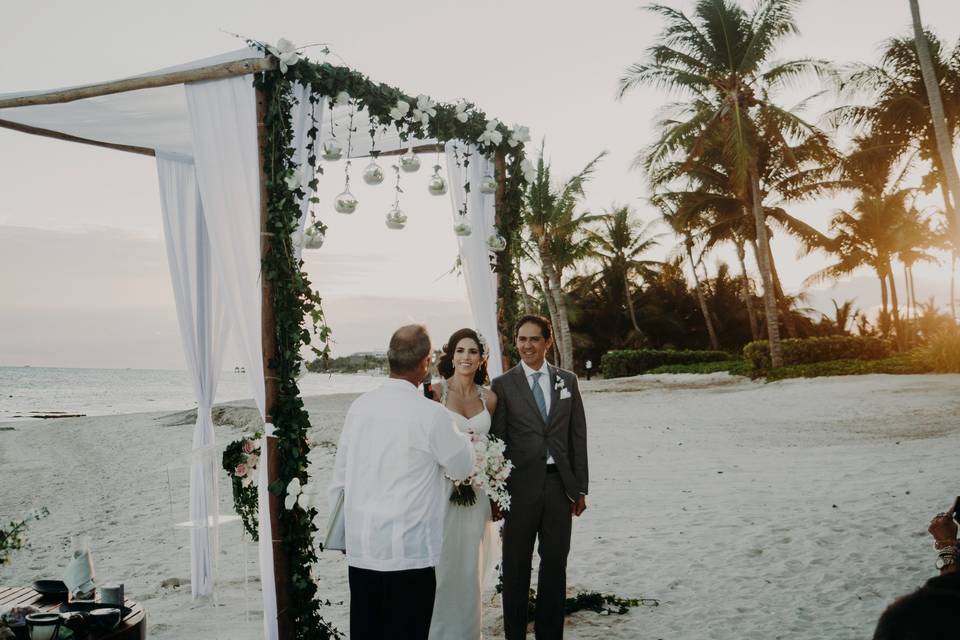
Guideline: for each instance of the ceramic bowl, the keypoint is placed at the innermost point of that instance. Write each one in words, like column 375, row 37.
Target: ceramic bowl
column 104, row 619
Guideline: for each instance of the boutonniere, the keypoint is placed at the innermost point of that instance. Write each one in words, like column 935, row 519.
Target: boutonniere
column 562, row 386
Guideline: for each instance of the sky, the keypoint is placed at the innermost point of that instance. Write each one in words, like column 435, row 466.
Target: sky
column 83, row 279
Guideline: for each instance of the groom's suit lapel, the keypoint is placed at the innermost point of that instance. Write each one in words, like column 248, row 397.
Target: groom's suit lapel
column 525, row 391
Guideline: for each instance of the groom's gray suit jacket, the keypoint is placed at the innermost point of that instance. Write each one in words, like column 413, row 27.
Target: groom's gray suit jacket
column 529, row 440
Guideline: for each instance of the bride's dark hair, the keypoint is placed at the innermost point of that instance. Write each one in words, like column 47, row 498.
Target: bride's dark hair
column 445, row 364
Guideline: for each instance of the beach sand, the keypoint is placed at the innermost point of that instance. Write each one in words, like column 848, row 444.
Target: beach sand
column 794, row 509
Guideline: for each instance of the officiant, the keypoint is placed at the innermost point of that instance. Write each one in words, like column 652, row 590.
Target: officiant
column 395, row 447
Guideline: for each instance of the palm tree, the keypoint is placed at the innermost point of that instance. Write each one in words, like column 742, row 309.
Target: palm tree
column 682, row 224
column 798, row 172
column 842, row 315
column 560, row 239
column 720, row 58
column 896, row 109
column 880, row 227
column 619, row 245
column 942, row 135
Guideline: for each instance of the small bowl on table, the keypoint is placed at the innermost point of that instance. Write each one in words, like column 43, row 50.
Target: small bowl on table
column 104, row 618
column 54, row 590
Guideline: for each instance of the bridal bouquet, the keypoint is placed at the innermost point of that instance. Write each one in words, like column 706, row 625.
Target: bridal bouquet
column 490, row 472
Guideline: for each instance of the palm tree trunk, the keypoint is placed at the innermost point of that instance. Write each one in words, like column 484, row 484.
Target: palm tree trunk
column 633, row 313
column 895, row 307
column 524, row 294
column 714, row 343
column 769, row 303
column 552, row 309
column 953, row 289
column 944, row 144
column 782, row 302
column 561, row 324
column 746, row 293
column 884, row 320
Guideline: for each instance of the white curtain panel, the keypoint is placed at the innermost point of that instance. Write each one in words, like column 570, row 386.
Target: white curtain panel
column 223, row 122
column 475, row 256
column 203, row 330
column 303, row 116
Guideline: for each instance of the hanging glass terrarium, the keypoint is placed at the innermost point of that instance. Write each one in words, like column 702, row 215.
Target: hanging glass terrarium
column 488, row 184
column 436, row 185
column 410, row 162
column 396, row 219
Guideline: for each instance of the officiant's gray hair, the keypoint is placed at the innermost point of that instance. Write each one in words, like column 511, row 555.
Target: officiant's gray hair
column 408, row 347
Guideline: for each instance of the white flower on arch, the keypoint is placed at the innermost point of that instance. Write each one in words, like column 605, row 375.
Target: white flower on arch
column 491, row 135
column 286, row 54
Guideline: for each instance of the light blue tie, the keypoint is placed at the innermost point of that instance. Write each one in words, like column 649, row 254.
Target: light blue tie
column 538, row 395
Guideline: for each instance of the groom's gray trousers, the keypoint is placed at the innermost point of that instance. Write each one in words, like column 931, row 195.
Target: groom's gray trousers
column 548, row 518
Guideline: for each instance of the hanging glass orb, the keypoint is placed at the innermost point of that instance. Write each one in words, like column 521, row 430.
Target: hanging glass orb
column 373, row 173
column 331, row 150
column 312, row 238
column 488, row 184
column 462, row 229
column 346, row 202
column 396, row 219
column 436, row 185
column 410, row 162
column 496, row 242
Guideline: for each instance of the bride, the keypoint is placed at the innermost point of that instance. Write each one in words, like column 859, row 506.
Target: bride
column 469, row 536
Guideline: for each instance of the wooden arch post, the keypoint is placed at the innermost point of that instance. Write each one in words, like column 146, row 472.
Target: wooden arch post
column 271, row 384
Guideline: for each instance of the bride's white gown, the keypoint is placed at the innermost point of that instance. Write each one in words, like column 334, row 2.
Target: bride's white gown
column 467, row 557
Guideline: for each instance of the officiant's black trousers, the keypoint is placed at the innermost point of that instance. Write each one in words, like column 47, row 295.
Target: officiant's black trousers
column 546, row 520
column 391, row 604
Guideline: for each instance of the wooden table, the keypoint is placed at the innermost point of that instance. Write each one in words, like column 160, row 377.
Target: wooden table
column 132, row 627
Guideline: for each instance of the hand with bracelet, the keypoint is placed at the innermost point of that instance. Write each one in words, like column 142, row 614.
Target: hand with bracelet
column 943, row 528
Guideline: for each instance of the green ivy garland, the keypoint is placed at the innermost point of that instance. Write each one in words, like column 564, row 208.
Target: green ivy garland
column 293, row 297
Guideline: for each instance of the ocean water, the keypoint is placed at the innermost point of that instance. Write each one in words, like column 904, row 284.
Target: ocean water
column 26, row 392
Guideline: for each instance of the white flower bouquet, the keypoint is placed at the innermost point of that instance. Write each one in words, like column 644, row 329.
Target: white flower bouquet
column 490, row 472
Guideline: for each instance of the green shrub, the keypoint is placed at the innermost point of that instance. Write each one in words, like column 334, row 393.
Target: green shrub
column 942, row 353
column 811, row 350
column 617, row 364
column 902, row 363
column 733, row 367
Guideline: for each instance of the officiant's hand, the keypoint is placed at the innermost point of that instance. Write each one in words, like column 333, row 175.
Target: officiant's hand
column 495, row 512
column 578, row 507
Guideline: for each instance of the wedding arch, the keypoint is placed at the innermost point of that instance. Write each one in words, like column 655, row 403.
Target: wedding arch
column 239, row 140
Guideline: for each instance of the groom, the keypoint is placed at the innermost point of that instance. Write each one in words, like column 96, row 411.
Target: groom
column 540, row 416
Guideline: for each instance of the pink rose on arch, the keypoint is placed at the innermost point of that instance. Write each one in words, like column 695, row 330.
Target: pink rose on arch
column 241, row 470
column 248, row 446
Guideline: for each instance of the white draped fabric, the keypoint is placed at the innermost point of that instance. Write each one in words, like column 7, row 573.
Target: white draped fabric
column 475, row 255
column 224, row 126
column 203, row 331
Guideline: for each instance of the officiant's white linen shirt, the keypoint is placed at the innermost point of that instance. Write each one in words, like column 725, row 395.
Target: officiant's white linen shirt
column 395, row 447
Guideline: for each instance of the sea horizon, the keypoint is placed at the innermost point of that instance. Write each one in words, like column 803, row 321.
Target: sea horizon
column 29, row 392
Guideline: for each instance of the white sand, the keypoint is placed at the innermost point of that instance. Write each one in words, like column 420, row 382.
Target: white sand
column 794, row 509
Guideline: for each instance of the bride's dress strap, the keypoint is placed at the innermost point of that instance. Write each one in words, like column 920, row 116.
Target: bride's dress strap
column 443, row 392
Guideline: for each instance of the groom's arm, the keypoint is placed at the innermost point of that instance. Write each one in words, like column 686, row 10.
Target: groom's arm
column 578, row 437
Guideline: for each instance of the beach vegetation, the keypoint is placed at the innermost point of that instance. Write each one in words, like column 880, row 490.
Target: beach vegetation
column 618, row 364
column 817, row 349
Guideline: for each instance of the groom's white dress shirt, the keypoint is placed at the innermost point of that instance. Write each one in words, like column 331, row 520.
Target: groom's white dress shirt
column 394, row 449
column 544, row 386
